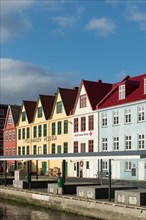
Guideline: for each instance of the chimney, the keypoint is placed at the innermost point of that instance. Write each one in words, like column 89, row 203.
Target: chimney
column 99, row 80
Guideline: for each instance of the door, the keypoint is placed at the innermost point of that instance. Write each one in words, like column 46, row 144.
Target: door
column 44, row 167
column 140, row 170
column 115, row 169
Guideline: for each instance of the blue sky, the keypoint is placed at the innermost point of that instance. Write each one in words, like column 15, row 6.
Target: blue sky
column 46, row 44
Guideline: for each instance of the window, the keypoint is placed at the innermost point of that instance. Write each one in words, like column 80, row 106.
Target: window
column 127, row 116
column 59, row 127
column 13, row 152
column 122, row 92
column 19, row 134
column 75, row 125
column 128, row 142
column 10, row 135
column 40, row 131
column 83, row 147
column 104, row 144
column 27, row 150
column 83, row 124
column 91, row 123
column 1, row 122
column 23, row 133
column 6, row 135
column 34, row 131
column 53, row 148
column 6, row 153
column 115, row 118
column 23, row 116
column 116, row 143
column 83, row 101
column 45, row 130
column 45, row 149
column 53, row 128
column 19, row 150
column 104, row 165
column 66, row 127
column 90, row 145
column 75, row 146
column 144, row 86
column 141, row 141
column 140, row 113
column 13, row 135
column 23, row 150
column 10, row 120
column 27, row 133
column 128, row 165
column 10, row 151
column 59, row 149
column 87, row 165
column 104, row 119
column 65, row 146
column 59, row 107
column 1, row 111
column 40, row 112
column 34, row 149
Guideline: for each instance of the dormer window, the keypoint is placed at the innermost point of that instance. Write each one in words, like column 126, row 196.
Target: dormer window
column 23, row 116
column 59, row 107
column 122, row 92
column 83, row 101
column 40, row 110
column 144, row 86
column 10, row 120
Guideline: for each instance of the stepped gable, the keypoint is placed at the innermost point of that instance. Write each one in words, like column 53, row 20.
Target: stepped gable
column 134, row 91
column 29, row 108
column 47, row 104
column 68, row 98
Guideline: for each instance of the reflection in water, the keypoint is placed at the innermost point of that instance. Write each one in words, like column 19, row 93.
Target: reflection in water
column 9, row 211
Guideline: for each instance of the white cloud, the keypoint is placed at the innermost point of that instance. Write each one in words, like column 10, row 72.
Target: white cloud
column 13, row 20
column 24, row 81
column 65, row 22
column 135, row 15
column 102, row 26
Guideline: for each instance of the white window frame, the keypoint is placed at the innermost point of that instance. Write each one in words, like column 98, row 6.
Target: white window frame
column 141, row 115
column 127, row 116
column 122, row 92
column 104, row 119
column 128, row 142
column 128, row 165
column 104, row 144
column 115, row 118
column 141, row 140
column 116, row 143
column 104, row 165
column 145, row 86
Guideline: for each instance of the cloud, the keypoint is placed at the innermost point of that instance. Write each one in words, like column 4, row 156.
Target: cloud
column 13, row 20
column 24, row 81
column 65, row 22
column 102, row 26
column 135, row 15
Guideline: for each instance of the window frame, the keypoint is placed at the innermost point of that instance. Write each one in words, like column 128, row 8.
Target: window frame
column 141, row 141
column 83, row 123
column 122, row 92
column 91, row 122
column 59, row 107
column 128, row 142
column 83, row 101
column 90, row 145
column 76, row 149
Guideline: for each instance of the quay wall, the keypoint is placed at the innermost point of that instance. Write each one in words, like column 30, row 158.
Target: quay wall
column 86, row 207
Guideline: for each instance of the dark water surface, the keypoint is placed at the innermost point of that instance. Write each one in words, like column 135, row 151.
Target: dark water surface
column 13, row 211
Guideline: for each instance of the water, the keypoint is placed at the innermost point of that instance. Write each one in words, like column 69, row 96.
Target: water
column 11, row 211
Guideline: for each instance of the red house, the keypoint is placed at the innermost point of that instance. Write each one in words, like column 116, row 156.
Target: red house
column 10, row 133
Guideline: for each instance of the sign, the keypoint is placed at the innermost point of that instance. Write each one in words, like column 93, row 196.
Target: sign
column 50, row 138
column 85, row 134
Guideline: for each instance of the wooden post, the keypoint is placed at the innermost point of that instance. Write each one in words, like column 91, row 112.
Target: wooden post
column 29, row 179
column 5, row 172
column 63, row 171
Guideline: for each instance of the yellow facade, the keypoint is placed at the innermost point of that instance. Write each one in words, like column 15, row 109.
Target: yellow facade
column 59, row 133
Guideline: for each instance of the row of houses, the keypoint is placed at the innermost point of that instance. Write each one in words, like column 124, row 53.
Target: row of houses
column 94, row 117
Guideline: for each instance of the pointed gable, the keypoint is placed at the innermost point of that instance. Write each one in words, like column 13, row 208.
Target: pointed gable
column 12, row 116
column 134, row 91
column 90, row 92
column 15, row 109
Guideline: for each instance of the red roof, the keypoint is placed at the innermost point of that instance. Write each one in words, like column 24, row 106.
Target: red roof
column 29, row 108
column 134, row 91
column 95, row 91
column 47, row 104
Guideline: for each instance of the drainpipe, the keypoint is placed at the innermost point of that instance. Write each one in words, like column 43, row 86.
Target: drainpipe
column 109, row 180
column 5, row 172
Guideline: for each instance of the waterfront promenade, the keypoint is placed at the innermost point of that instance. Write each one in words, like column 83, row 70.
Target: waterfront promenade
column 101, row 208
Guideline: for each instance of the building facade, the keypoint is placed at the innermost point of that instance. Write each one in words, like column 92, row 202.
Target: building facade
column 3, row 113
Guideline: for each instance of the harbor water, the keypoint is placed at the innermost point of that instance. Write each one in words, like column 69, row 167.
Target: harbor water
column 13, row 211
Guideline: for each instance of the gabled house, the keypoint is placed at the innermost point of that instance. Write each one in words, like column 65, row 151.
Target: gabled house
column 24, row 143
column 84, row 119
column 60, row 125
column 122, row 126
column 40, row 129
column 3, row 113
column 10, row 132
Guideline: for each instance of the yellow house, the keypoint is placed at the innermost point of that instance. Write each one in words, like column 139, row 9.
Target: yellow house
column 60, row 135
column 24, row 145
column 40, row 130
